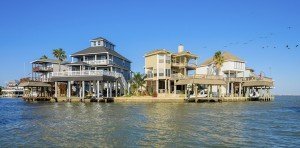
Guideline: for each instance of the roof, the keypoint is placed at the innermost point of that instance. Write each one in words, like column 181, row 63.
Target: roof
column 34, row 84
column 227, row 57
column 101, row 38
column 259, row 83
column 251, row 69
column 46, row 61
column 185, row 53
column 158, row 51
column 98, row 50
column 201, row 81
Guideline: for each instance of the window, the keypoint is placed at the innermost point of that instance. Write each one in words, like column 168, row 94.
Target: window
column 168, row 59
column 161, row 58
column 161, row 72
column 168, row 72
column 149, row 74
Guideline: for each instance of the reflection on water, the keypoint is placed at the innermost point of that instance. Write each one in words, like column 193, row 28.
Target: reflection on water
column 150, row 124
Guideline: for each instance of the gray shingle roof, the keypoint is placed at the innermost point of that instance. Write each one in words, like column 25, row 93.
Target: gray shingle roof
column 98, row 50
column 99, row 38
column 46, row 61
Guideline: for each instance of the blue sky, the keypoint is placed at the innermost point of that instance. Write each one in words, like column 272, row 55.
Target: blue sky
column 32, row 28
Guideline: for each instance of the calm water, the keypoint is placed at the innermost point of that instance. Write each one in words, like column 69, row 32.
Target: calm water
column 247, row 124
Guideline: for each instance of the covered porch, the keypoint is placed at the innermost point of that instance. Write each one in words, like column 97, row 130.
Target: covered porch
column 36, row 91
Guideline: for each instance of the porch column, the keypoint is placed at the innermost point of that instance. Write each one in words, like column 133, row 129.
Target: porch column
column 247, row 92
column 232, row 92
column 101, row 88
column 227, row 90
column 218, row 90
column 98, row 88
column 208, row 91
column 69, row 90
column 56, row 90
column 185, row 91
column 107, row 90
column 196, row 90
column 240, row 89
column 157, row 85
column 169, row 86
column 166, row 86
column 110, row 90
column 117, row 88
column 175, row 87
column 83, row 89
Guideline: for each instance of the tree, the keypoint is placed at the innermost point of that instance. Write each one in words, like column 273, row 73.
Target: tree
column 60, row 55
column 218, row 61
column 44, row 57
column 137, row 83
column 0, row 90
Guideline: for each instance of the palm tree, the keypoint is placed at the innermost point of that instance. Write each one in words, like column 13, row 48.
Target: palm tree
column 60, row 55
column 137, row 82
column 44, row 57
column 218, row 61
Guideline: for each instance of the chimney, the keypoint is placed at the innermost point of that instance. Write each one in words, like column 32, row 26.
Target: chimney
column 180, row 48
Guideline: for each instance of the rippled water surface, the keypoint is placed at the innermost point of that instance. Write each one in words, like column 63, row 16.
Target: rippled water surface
column 247, row 124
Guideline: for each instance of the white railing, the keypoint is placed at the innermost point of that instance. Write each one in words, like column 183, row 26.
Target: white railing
column 85, row 73
column 99, row 62
column 91, row 73
column 40, row 79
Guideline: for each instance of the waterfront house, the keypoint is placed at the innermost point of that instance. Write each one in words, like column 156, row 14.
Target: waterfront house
column 42, row 69
column 94, row 72
column 163, row 68
column 97, row 71
column 12, row 90
column 240, row 80
column 101, row 56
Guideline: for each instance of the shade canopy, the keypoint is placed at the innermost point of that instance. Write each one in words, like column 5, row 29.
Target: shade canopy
column 203, row 81
column 258, row 83
column 34, row 84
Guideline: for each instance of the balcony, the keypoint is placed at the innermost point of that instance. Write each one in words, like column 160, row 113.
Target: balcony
column 188, row 65
column 86, row 73
column 40, row 79
column 42, row 69
column 99, row 62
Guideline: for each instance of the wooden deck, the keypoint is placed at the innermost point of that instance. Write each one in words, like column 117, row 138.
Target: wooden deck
column 37, row 98
column 228, row 99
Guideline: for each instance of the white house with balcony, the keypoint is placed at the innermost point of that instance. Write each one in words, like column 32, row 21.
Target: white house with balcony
column 239, row 79
column 101, row 56
column 97, row 71
column 42, row 69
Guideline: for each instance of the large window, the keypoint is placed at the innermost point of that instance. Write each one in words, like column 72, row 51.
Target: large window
column 161, row 58
column 168, row 72
column 149, row 74
column 168, row 59
column 161, row 72
column 238, row 65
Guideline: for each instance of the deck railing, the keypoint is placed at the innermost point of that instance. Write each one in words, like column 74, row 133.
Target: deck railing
column 99, row 62
column 41, row 68
column 91, row 73
column 184, row 64
column 85, row 73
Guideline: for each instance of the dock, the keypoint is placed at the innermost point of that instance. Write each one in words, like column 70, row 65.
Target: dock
column 228, row 99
